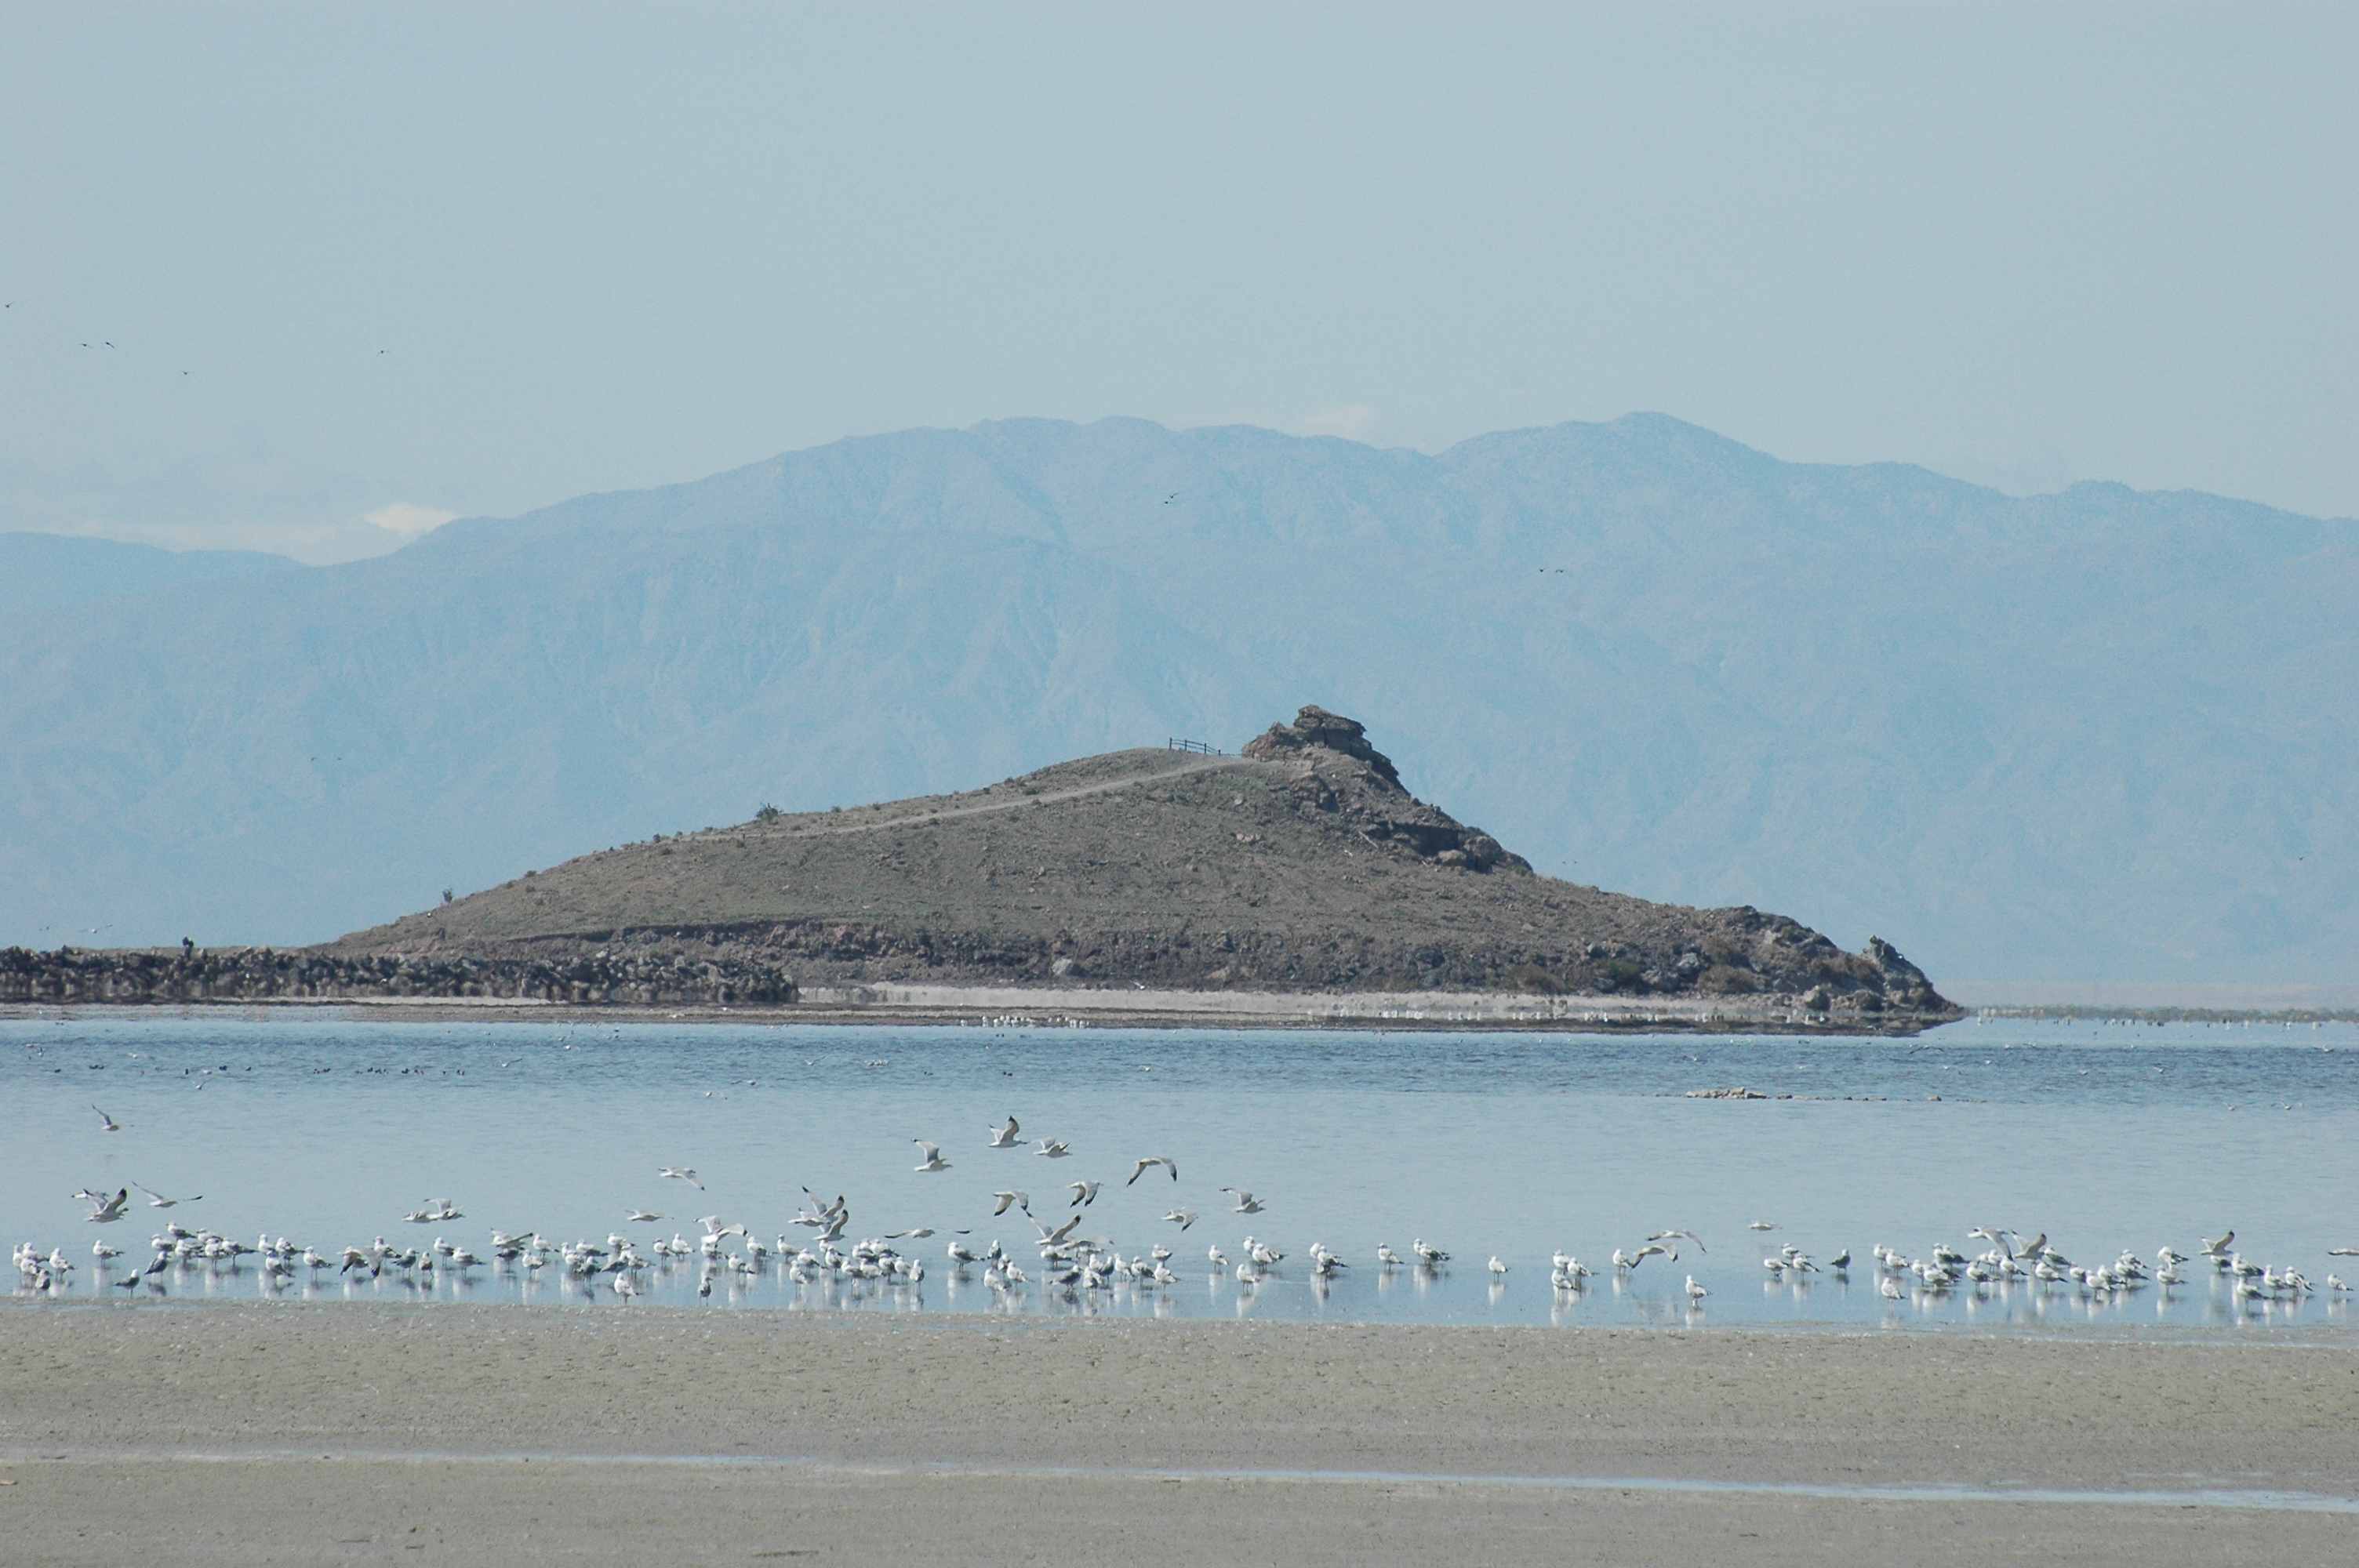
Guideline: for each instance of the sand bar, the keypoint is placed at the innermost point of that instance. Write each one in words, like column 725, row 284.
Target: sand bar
column 265, row 1433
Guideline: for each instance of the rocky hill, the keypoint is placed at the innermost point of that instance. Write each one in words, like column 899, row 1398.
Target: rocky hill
column 1301, row 864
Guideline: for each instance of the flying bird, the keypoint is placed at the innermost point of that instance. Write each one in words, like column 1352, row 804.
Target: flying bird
column 1680, row 1235
column 934, row 1161
column 1165, row 1161
column 1008, row 1200
column 1246, row 1202
column 1004, row 1137
column 676, row 1173
column 109, row 1210
column 107, row 1123
column 1182, row 1217
column 1084, row 1194
column 641, row 1217
column 158, row 1200
column 1053, row 1149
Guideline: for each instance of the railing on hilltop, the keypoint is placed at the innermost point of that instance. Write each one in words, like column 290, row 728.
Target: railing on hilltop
column 1200, row 748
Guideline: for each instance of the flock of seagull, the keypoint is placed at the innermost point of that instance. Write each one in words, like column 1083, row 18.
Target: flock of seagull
column 1071, row 1265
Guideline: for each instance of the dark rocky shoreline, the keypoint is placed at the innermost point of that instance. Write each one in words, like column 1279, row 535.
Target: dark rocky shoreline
column 132, row 977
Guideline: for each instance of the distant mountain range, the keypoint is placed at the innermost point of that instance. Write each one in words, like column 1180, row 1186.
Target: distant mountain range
column 2102, row 734
column 49, row 571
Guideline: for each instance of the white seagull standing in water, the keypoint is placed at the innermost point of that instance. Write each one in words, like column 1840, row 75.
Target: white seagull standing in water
column 934, row 1161
column 1498, row 1270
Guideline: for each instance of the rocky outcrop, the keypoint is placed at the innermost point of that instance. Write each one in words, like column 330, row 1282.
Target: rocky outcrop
column 260, row 974
column 1338, row 771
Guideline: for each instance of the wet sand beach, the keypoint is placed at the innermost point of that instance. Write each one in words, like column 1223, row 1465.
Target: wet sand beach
column 264, row 1434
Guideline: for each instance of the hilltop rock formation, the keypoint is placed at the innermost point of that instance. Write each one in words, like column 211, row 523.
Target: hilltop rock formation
column 1338, row 771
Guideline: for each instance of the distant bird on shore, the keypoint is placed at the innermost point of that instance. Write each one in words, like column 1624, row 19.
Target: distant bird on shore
column 934, row 1161
column 1498, row 1270
column 1388, row 1257
column 1427, row 1253
column 1696, row 1292
column 1141, row 1168
column 1004, row 1137
column 107, row 1123
column 677, row 1173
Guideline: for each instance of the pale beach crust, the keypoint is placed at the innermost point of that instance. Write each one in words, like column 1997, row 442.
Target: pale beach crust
column 262, row 1433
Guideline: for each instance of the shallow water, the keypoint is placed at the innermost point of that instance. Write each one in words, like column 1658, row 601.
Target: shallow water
column 329, row 1129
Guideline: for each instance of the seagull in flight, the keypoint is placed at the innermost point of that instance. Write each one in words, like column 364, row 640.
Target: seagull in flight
column 1679, row 1235
column 677, row 1174
column 158, row 1200
column 1246, row 1202
column 1056, row 1237
column 1004, row 1137
column 1008, row 1200
column 1182, row 1217
column 107, row 1123
column 1165, row 1161
column 642, row 1217
column 934, row 1161
column 1051, row 1148
column 1084, row 1194
column 1761, row 1224
column 109, row 1210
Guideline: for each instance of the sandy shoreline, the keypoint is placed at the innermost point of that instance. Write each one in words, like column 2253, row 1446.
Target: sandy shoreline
column 1353, row 1443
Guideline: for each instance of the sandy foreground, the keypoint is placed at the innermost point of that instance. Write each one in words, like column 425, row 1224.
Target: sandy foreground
column 265, row 1433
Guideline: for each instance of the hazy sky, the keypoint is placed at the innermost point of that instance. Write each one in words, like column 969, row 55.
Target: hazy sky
column 416, row 260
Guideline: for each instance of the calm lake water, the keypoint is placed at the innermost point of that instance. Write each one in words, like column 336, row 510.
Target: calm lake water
column 329, row 1130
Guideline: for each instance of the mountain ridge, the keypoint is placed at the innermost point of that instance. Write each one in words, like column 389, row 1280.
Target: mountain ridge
column 2096, row 735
